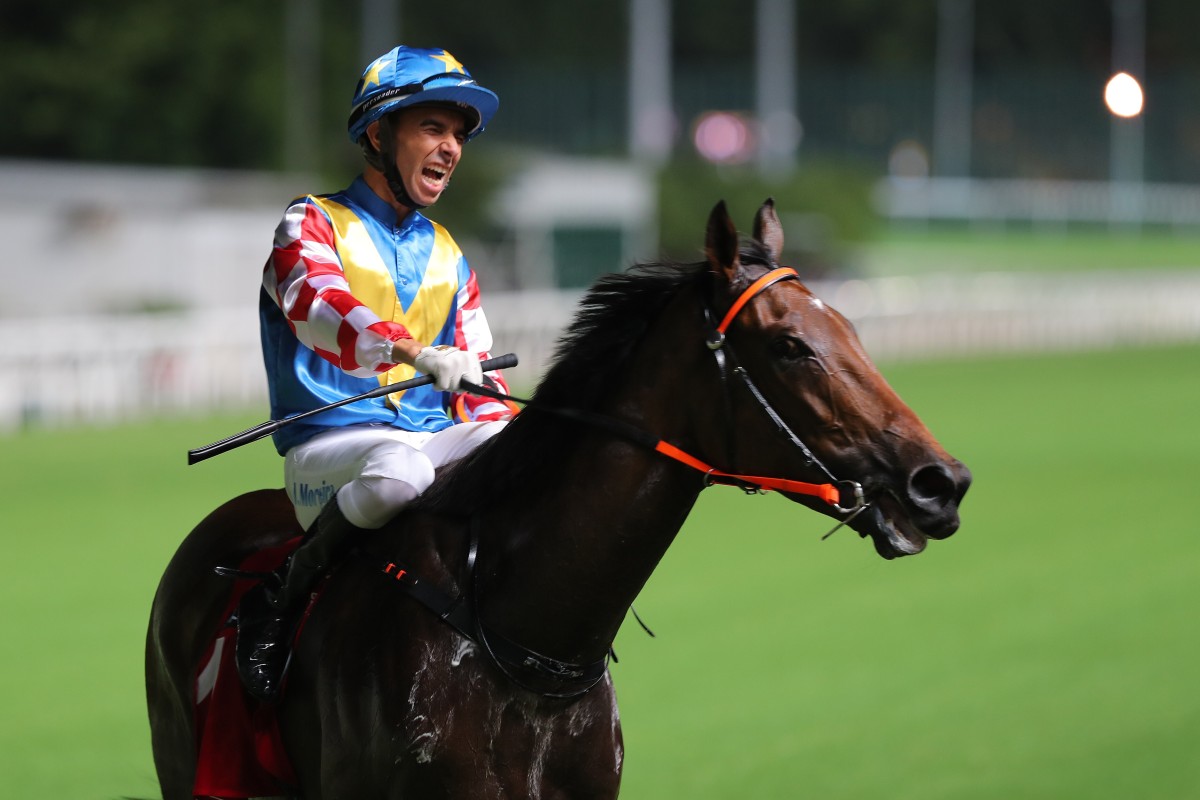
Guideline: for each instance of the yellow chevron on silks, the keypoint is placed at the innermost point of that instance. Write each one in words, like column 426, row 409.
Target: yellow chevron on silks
column 371, row 282
column 435, row 298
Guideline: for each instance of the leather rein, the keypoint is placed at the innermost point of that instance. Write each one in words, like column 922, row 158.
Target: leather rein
column 715, row 337
column 560, row 679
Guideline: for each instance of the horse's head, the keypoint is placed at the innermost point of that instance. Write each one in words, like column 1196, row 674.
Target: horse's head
column 805, row 362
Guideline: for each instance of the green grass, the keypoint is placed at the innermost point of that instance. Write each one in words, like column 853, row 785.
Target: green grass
column 90, row 520
column 1048, row 650
column 902, row 251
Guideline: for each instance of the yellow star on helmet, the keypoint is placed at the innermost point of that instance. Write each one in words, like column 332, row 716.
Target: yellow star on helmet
column 372, row 74
column 452, row 63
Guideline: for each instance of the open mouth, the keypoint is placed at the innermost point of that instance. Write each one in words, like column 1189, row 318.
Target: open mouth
column 890, row 529
column 435, row 177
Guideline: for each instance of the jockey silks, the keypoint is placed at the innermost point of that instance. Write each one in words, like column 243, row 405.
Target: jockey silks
column 345, row 280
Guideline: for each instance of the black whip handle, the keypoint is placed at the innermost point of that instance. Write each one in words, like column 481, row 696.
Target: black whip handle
column 267, row 428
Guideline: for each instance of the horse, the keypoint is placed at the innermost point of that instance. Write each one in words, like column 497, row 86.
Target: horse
column 541, row 539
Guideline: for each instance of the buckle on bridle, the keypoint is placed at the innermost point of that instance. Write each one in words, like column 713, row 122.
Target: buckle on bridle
column 856, row 491
column 860, row 505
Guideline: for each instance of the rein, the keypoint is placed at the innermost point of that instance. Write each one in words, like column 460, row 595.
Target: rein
column 523, row 666
column 830, row 492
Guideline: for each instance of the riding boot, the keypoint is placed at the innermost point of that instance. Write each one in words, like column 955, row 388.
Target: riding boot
column 323, row 543
column 268, row 614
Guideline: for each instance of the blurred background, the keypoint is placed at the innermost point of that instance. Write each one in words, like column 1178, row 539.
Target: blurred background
column 1003, row 195
column 149, row 148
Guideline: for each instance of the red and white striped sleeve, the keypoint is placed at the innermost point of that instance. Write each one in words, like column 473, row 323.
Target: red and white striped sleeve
column 471, row 333
column 304, row 277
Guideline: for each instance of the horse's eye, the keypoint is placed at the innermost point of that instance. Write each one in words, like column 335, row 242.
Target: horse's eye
column 789, row 348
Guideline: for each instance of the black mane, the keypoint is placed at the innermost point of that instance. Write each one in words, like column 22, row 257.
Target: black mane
column 588, row 362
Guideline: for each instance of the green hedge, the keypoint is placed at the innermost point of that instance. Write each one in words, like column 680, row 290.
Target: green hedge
column 823, row 205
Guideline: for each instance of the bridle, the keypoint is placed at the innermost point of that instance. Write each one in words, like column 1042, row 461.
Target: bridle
column 565, row 680
column 830, row 492
column 727, row 362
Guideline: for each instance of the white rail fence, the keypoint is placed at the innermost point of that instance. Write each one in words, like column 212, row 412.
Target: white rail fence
column 107, row 368
column 1044, row 203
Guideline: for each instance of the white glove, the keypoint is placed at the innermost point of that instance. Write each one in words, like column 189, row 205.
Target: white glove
column 448, row 365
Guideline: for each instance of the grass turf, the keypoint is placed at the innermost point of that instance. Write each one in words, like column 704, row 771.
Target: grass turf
column 1046, row 651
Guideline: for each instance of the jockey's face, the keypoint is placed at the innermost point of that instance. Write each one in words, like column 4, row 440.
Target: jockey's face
column 428, row 145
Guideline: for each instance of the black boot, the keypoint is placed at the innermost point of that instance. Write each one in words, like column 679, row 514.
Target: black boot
column 268, row 613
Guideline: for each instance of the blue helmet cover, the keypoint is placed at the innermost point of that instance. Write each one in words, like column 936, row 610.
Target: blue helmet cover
column 409, row 76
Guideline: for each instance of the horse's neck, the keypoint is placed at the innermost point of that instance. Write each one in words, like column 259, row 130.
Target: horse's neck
column 575, row 561
column 577, row 554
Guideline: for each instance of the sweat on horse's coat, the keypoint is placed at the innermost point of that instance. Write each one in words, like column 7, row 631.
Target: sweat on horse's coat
column 385, row 700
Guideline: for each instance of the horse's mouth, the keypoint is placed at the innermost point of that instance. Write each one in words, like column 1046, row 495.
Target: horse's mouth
column 890, row 529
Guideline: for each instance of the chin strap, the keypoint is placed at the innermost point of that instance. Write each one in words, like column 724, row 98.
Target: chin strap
column 391, row 174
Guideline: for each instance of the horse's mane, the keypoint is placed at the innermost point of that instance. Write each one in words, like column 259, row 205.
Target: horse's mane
column 588, row 362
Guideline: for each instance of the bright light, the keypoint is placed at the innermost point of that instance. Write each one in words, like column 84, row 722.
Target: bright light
column 724, row 138
column 1123, row 95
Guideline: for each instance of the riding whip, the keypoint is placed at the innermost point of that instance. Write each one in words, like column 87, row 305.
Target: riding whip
column 270, row 426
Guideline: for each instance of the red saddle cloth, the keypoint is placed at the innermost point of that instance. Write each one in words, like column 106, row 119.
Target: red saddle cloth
column 239, row 749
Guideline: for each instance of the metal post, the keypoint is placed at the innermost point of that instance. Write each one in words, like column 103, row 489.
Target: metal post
column 379, row 28
column 952, row 89
column 1126, row 143
column 651, row 119
column 301, row 80
column 775, row 67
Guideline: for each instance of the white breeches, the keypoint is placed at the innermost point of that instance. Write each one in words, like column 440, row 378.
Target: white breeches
column 374, row 470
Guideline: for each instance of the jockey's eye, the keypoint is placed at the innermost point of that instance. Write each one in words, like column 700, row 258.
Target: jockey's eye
column 789, row 348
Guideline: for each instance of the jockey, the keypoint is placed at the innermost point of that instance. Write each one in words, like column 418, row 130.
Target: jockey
column 360, row 290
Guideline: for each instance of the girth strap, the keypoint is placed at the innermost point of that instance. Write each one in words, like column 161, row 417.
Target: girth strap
column 522, row 666
column 450, row 610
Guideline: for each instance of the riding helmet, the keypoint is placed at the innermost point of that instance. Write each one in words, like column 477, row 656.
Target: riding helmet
column 408, row 76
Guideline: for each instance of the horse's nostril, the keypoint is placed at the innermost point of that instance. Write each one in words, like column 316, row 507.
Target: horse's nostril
column 932, row 486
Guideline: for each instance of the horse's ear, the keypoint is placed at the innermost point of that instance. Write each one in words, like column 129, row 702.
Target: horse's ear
column 721, row 242
column 768, row 230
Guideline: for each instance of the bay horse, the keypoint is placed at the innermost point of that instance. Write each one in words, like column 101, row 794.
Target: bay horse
column 543, row 537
